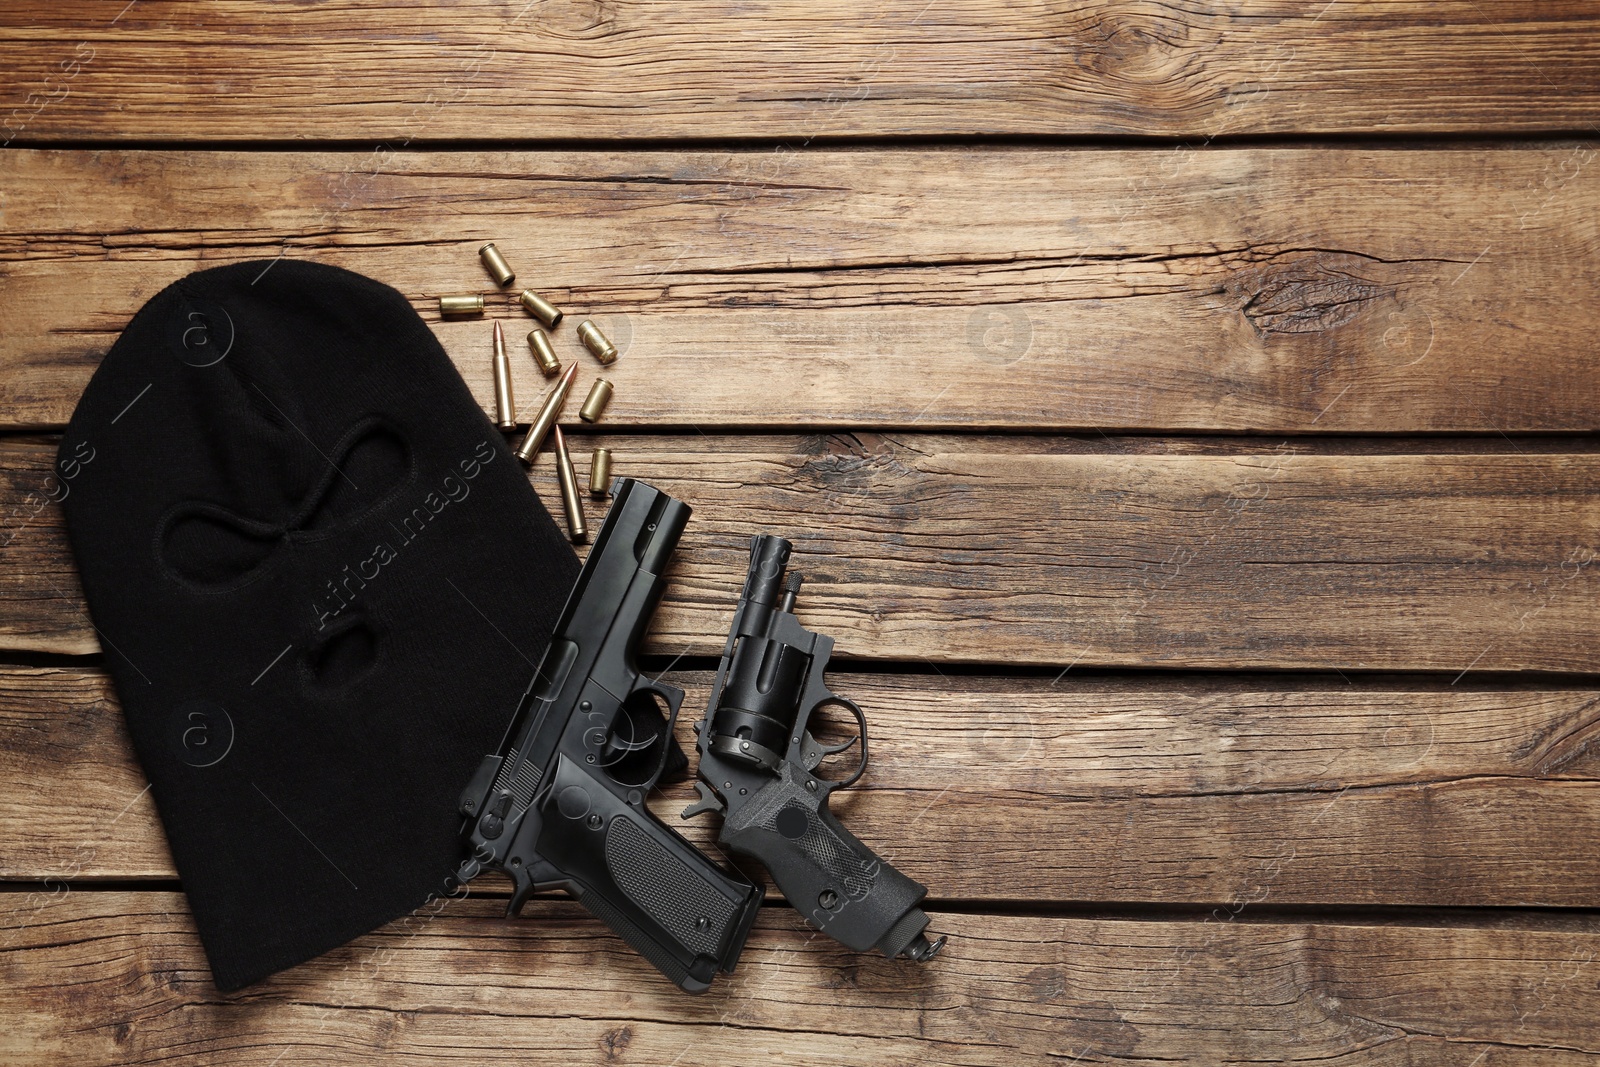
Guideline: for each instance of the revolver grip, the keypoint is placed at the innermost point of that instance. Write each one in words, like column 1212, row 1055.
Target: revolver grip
column 645, row 881
column 839, row 884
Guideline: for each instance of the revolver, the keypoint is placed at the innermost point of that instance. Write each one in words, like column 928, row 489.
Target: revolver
column 561, row 805
column 757, row 764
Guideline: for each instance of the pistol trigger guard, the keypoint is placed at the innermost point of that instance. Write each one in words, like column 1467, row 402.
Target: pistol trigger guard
column 666, row 741
column 707, row 802
column 671, row 694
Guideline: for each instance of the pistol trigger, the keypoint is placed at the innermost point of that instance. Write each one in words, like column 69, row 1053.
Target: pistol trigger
column 708, row 802
column 522, row 889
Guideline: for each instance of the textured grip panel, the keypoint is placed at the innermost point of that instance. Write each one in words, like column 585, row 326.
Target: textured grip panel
column 851, row 869
column 854, row 873
column 835, row 881
column 665, row 888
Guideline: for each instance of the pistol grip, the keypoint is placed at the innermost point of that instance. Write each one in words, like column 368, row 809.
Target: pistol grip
column 839, row 884
column 651, row 886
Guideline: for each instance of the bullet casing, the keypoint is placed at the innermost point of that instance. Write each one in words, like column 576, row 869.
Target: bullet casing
column 569, row 490
column 466, row 304
column 600, row 472
column 549, row 411
column 543, row 354
column 596, row 342
column 594, row 405
column 540, row 308
column 496, row 265
column 505, row 407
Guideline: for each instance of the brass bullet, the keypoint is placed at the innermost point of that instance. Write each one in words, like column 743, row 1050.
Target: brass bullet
column 548, row 412
column 505, row 408
column 569, row 490
column 594, row 405
column 600, row 472
column 469, row 304
column 540, row 308
column 496, row 265
column 543, row 354
column 596, row 342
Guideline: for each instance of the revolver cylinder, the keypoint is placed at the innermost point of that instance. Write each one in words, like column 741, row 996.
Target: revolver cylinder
column 760, row 701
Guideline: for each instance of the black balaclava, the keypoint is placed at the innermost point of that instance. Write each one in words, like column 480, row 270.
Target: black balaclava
column 321, row 581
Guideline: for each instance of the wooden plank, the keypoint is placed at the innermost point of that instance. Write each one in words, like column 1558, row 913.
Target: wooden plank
column 1091, row 790
column 1255, row 289
column 1063, row 553
column 569, row 70
column 554, row 988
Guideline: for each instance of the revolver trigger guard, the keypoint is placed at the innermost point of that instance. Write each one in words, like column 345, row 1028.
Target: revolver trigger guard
column 812, row 751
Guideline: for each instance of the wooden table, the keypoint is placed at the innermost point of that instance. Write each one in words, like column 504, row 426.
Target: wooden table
column 1184, row 414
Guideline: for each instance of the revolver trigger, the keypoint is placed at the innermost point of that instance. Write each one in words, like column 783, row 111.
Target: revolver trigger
column 708, row 802
column 812, row 751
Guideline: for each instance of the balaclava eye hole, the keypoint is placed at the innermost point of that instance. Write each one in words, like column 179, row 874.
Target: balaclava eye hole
column 321, row 577
column 212, row 547
column 367, row 471
column 348, row 650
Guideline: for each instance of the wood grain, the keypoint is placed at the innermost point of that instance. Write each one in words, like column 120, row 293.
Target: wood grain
column 461, row 983
column 822, row 316
column 1061, row 553
column 583, row 70
column 1092, row 790
column 1290, row 290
